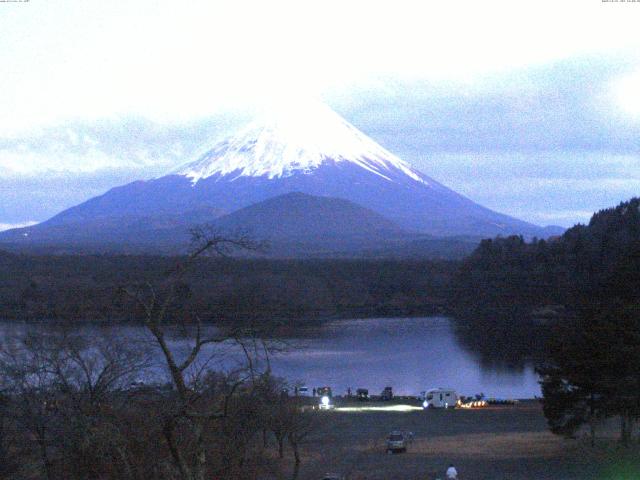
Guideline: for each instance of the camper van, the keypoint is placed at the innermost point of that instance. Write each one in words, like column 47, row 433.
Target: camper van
column 302, row 391
column 439, row 398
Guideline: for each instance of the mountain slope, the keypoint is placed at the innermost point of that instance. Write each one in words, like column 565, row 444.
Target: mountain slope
column 297, row 216
column 309, row 149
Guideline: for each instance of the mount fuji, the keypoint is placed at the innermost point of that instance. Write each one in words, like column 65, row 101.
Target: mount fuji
column 307, row 149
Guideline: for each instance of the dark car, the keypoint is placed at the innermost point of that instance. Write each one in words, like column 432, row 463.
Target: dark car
column 324, row 392
column 387, row 394
column 362, row 394
column 396, row 442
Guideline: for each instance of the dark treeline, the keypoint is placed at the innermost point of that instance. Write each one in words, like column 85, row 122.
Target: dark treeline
column 517, row 277
column 510, row 285
column 573, row 301
column 86, row 288
column 592, row 371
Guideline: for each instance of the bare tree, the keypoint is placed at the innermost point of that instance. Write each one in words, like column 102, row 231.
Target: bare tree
column 160, row 313
column 80, row 416
column 35, row 392
column 8, row 463
column 301, row 425
column 285, row 417
column 61, row 389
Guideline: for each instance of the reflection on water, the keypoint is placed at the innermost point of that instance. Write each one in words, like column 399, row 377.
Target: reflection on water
column 409, row 354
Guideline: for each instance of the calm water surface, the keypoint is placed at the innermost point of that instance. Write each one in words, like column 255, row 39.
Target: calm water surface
column 409, row 354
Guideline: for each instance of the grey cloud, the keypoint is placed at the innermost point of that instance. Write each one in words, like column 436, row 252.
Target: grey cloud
column 553, row 107
column 552, row 187
column 129, row 142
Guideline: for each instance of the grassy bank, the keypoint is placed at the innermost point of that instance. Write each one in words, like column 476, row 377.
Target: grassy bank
column 506, row 442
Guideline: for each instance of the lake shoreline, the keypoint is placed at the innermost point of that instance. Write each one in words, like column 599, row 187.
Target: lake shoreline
column 276, row 320
column 411, row 354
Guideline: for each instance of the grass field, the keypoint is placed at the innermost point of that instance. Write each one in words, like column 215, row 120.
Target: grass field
column 505, row 442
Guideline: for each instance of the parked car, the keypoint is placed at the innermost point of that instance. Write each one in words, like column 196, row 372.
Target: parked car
column 396, row 442
column 362, row 394
column 325, row 403
column 387, row 394
column 324, row 392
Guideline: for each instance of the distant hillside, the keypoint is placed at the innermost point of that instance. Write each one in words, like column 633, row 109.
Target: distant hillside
column 121, row 233
column 296, row 216
column 295, row 225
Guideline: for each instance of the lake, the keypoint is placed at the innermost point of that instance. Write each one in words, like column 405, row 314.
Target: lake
column 409, row 354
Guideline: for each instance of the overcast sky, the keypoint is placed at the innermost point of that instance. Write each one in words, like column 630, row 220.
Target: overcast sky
column 530, row 108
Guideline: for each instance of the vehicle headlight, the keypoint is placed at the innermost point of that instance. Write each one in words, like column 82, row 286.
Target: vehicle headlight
column 325, row 401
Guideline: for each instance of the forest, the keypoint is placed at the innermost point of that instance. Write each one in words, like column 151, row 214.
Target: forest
column 508, row 281
column 75, row 288
column 571, row 302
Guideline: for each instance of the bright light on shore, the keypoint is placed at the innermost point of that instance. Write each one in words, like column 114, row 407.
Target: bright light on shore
column 390, row 408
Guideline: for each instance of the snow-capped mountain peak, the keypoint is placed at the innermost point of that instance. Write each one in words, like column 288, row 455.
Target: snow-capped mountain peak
column 306, row 152
column 298, row 139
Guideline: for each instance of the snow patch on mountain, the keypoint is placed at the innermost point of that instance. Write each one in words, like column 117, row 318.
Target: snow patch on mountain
column 298, row 139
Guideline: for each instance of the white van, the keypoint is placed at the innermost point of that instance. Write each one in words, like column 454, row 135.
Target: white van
column 439, row 398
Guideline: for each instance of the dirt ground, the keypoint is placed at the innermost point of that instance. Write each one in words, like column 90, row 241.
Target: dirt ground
column 496, row 442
